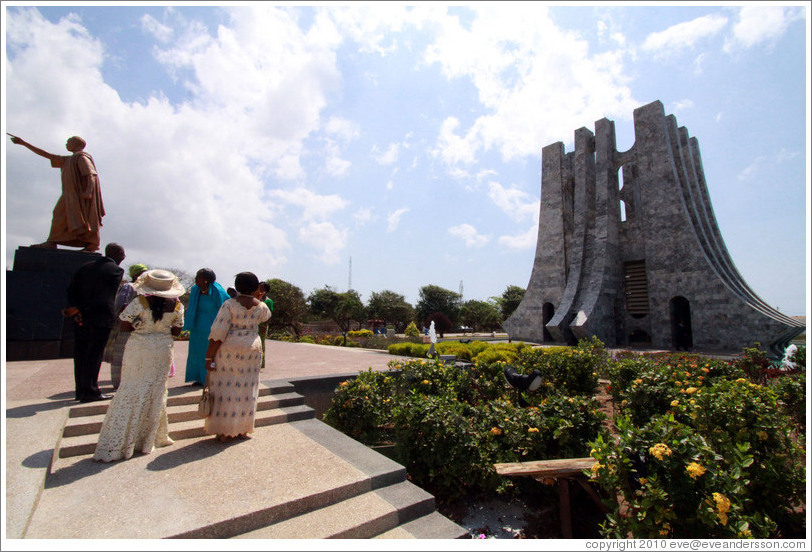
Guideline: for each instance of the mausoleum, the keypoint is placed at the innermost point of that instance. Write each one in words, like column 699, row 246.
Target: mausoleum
column 629, row 249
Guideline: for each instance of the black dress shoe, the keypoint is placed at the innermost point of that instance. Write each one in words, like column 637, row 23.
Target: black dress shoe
column 94, row 399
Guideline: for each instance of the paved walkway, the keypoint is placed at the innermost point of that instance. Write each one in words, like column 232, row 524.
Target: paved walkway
column 39, row 393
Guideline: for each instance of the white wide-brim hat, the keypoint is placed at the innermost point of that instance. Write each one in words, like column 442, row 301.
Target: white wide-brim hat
column 160, row 283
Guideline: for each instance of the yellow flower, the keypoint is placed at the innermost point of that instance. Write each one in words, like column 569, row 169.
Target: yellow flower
column 762, row 435
column 638, row 381
column 741, row 380
column 426, row 382
column 496, row 431
column 595, row 467
column 691, row 390
column 722, row 507
column 532, row 430
column 678, row 383
column 695, row 470
column 643, row 480
column 344, row 383
column 706, row 370
column 659, row 450
column 675, row 403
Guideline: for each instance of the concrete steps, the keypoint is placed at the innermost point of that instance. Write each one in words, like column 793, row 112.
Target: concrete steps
column 275, row 405
column 295, row 478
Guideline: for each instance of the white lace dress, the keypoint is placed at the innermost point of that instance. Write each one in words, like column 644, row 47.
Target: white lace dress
column 234, row 385
column 136, row 418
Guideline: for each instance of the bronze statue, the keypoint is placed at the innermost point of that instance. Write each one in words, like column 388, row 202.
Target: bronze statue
column 78, row 214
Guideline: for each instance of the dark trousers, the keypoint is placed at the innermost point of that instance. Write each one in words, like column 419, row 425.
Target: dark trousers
column 88, row 350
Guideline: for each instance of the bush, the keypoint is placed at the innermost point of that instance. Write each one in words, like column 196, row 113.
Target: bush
column 356, row 334
column 572, row 371
column 791, row 393
column 674, row 484
column 411, row 330
column 451, row 425
column 734, row 435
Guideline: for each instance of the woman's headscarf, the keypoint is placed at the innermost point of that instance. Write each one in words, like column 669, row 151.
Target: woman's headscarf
column 136, row 270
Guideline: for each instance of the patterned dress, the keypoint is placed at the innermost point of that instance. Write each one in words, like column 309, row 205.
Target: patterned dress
column 234, row 384
column 136, row 418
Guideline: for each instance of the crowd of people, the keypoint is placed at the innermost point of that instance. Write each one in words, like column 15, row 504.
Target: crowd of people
column 132, row 325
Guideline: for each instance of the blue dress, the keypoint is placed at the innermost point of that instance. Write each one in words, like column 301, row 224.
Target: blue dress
column 200, row 314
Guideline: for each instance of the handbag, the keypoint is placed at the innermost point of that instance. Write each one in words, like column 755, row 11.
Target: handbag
column 204, row 406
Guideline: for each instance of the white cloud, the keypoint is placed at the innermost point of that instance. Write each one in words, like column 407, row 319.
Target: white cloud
column 313, row 205
column 525, row 240
column 752, row 169
column 517, row 204
column 469, row 235
column 761, row 24
column 393, row 218
column 157, row 29
column 682, row 105
column 326, row 238
column 684, row 35
column 388, row 157
column 534, row 81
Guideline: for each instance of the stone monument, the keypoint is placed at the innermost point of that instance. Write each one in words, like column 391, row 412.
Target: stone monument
column 36, row 286
column 629, row 250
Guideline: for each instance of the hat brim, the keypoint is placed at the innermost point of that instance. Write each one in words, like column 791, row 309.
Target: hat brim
column 172, row 293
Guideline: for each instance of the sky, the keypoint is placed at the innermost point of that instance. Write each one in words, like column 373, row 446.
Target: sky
column 386, row 146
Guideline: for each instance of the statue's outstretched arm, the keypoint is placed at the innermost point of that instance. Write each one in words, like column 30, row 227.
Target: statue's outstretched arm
column 35, row 149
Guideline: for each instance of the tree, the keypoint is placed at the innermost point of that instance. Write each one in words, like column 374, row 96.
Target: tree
column 341, row 308
column 186, row 280
column 436, row 299
column 390, row 307
column 482, row 315
column 510, row 300
column 289, row 305
column 442, row 323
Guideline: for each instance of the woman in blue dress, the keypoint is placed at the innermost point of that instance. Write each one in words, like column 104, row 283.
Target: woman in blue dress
column 205, row 299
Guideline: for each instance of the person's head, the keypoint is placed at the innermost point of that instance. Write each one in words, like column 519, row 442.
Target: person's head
column 264, row 287
column 115, row 252
column 232, row 292
column 136, row 270
column 204, row 278
column 75, row 144
column 246, row 283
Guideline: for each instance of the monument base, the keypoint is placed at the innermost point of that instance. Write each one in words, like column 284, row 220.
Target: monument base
column 35, row 296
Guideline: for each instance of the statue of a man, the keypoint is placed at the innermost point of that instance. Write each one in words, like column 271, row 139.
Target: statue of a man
column 78, row 213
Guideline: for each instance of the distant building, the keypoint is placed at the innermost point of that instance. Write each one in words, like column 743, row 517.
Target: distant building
column 629, row 250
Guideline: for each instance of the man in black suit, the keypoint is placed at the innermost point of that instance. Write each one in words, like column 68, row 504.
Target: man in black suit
column 91, row 299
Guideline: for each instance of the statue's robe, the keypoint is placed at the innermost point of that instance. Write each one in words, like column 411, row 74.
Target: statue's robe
column 78, row 213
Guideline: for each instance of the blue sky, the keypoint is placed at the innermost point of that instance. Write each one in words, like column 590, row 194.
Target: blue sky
column 287, row 140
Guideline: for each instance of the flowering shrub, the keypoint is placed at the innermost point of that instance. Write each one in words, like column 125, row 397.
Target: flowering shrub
column 673, row 484
column 702, row 450
column 791, row 393
column 451, row 425
column 359, row 333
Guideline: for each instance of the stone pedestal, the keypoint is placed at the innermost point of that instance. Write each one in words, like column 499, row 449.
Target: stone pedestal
column 35, row 296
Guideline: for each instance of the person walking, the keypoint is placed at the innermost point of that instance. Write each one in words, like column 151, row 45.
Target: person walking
column 205, row 299
column 136, row 419
column 233, row 361
column 91, row 298
column 114, row 351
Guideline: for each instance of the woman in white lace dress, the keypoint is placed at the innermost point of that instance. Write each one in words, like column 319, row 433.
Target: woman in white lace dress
column 136, row 418
column 233, row 361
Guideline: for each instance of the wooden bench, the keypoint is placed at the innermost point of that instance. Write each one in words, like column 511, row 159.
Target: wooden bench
column 564, row 471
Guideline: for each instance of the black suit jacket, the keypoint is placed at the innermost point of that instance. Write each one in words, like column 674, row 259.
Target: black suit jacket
column 92, row 290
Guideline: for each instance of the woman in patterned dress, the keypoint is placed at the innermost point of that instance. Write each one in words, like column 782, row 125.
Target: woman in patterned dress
column 136, row 418
column 233, row 361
